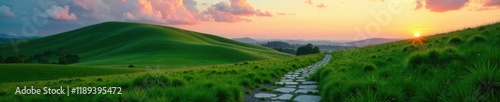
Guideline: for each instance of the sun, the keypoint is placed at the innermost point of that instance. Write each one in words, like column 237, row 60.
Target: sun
column 416, row 35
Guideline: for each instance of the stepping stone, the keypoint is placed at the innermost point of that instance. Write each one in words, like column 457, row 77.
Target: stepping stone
column 288, row 75
column 308, row 86
column 304, row 91
column 285, row 90
column 307, row 98
column 287, row 80
column 295, row 75
column 308, row 83
column 300, row 80
column 287, row 83
column 284, row 97
column 264, row 95
column 291, row 86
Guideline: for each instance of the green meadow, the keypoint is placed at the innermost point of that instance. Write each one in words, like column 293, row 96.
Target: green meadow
column 457, row 66
column 175, row 65
column 119, row 44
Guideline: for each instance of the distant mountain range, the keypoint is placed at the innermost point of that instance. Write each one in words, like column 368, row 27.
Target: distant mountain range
column 359, row 43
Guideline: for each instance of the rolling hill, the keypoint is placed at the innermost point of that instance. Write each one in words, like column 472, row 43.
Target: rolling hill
column 119, row 44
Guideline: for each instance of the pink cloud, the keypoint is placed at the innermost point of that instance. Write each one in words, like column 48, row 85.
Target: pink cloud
column 5, row 12
column 166, row 11
column 419, row 4
column 450, row 5
column 234, row 12
column 60, row 13
column 445, row 5
column 321, row 5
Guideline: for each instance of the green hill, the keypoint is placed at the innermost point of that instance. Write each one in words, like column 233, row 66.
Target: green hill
column 457, row 66
column 119, row 44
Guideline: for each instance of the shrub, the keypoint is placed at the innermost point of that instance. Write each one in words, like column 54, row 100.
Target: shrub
column 410, row 49
column 131, row 66
column 433, row 57
column 455, row 41
column 485, row 78
column 368, row 67
column 178, row 83
column 14, row 59
column 477, row 39
column 481, row 28
column 150, row 80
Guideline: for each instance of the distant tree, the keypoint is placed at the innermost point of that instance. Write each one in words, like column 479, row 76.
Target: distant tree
column 276, row 44
column 69, row 59
column 307, row 49
column 316, row 50
column 14, row 59
column 1, row 59
column 131, row 66
column 43, row 61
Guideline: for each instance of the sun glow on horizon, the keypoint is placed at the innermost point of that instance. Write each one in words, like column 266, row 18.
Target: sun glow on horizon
column 416, row 35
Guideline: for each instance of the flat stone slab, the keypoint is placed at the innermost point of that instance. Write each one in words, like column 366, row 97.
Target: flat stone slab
column 304, row 91
column 299, row 80
column 307, row 98
column 308, row 86
column 287, row 83
column 264, row 95
column 308, row 83
column 285, row 90
column 284, row 97
column 291, row 86
column 286, row 80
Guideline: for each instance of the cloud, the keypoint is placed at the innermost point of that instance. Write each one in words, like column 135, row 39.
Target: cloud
column 234, row 12
column 445, row 5
column 308, row 2
column 419, row 4
column 491, row 2
column 60, row 13
column 98, row 9
column 321, row 5
column 5, row 12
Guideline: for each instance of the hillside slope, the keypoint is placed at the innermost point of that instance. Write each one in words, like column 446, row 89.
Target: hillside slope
column 457, row 66
column 122, row 43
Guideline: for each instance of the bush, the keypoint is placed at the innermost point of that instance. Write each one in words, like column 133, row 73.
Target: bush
column 481, row 28
column 150, row 80
column 368, row 67
column 14, row 59
column 410, row 49
column 485, row 78
column 455, row 41
column 477, row 39
column 131, row 66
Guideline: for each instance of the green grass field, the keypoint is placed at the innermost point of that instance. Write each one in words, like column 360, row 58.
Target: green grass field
column 118, row 44
column 456, row 66
column 37, row 72
column 218, row 83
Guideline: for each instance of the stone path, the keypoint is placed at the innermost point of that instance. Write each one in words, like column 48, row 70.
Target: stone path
column 295, row 86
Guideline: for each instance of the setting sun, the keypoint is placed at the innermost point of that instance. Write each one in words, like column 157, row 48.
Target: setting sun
column 416, row 34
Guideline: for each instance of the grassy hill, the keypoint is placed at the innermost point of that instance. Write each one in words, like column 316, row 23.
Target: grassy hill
column 457, row 66
column 119, row 44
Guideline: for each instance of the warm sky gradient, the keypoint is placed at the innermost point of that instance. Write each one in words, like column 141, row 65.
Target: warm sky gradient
column 261, row 19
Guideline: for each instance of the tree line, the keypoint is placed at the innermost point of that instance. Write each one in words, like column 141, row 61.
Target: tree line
column 43, row 58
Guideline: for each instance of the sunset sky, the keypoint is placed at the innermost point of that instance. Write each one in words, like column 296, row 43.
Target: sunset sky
column 260, row 19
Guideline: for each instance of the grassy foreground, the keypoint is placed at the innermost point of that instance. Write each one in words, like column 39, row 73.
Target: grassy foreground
column 220, row 83
column 457, row 66
column 37, row 72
